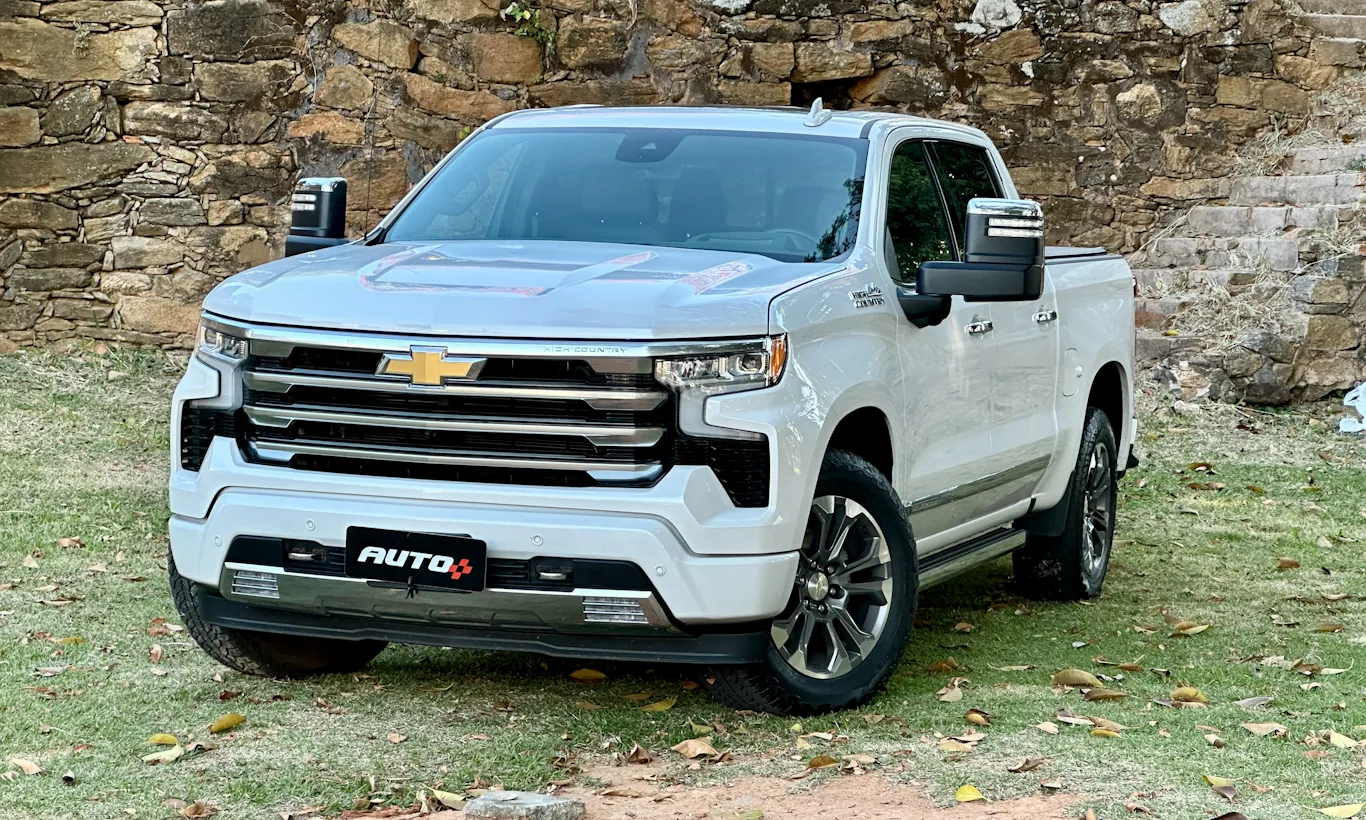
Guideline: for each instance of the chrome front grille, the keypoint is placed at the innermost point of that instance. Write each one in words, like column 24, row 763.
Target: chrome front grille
column 535, row 414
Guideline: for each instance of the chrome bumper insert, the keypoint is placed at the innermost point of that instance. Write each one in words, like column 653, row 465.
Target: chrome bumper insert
column 577, row 610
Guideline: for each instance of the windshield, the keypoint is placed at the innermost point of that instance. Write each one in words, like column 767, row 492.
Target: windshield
column 792, row 198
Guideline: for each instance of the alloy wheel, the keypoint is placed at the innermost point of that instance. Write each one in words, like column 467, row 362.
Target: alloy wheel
column 1096, row 509
column 842, row 595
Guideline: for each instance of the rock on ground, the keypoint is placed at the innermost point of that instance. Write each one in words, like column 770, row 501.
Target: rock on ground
column 523, row 806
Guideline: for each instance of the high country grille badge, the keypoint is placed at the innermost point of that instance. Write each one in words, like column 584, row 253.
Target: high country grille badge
column 869, row 296
column 429, row 366
column 440, row 564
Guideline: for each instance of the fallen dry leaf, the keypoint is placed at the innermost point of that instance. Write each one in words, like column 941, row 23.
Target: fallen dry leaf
column 226, row 723
column 1287, row 563
column 199, row 809
column 695, row 747
column 821, row 762
column 587, row 675
column 26, row 766
column 162, row 739
column 1047, row 727
column 1029, row 764
column 1222, row 786
column 951, row 746
column 1265, row 729
column 978, row 717
column 395, row 737
column 1103, row 723
column 660, row 705
column 1075, row 677
column 156, row 653
column 1253, row 702
column 585, row 705
column 967, row 794
column 1099, row 732
column 1344, row 812
column 1188, row 694
column 1104, row 694
column 168, row 756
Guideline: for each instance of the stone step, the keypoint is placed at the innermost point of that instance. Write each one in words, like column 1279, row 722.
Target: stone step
column 1328, row 160
column 1251, row 252
column 1316, row 189
column 1233, row 220
column 1344, row 51
column 1152, row 346
column 1336, row 25
column 1184, row 283
column 1331, row 7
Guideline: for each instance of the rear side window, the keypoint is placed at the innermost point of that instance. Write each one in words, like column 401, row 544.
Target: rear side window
column 965, row 172
column 915, row 217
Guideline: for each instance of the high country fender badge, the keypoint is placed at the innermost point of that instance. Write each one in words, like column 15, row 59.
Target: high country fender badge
column 429, row 366
column 869, row 296
column 440, row 564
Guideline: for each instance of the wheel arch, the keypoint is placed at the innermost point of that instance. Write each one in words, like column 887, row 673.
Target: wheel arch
column 1109, row 388
column 867, row 433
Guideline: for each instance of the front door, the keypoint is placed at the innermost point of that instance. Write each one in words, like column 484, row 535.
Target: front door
column 945, row 390
column 1024, row 366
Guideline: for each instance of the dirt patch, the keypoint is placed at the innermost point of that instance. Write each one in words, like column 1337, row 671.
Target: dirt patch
column 634, row 793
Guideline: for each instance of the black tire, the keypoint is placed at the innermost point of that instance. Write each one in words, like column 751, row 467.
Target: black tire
column 1072, row 566
column 263, row 653
column 776, row 687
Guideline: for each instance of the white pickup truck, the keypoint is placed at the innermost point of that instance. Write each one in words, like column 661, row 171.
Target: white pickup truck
column 698, row 385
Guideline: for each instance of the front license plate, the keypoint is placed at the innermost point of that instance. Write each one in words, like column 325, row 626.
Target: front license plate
column 448, row 561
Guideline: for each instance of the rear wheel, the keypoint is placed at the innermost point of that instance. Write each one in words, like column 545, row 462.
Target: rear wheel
column 849, row 615
column 264, row 653
column 1072, row 566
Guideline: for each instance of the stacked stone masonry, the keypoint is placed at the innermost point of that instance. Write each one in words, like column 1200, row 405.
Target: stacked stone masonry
column 147, row 149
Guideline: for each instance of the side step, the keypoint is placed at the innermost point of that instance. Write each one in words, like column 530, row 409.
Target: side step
column 950, row 561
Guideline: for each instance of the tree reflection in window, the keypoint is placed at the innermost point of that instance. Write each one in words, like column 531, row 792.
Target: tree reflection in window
column 915, row 217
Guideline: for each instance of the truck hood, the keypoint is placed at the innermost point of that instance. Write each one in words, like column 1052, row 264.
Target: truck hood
column 539, row 289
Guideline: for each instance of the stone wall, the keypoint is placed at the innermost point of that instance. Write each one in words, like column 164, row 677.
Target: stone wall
column 146, row 147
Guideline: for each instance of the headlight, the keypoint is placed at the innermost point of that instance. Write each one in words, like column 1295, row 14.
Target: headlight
column 726, row 372
column 216, row 343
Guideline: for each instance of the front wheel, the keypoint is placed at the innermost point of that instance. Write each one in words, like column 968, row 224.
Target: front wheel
column 852, row 603
column 1072, row 566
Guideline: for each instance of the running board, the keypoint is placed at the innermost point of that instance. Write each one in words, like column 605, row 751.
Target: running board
column 950, row 561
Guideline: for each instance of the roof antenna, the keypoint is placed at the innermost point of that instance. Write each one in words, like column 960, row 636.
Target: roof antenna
column 818, row 116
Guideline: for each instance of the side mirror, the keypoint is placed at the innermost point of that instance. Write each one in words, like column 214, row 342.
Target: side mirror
column 1003, row 259
column 318, row 210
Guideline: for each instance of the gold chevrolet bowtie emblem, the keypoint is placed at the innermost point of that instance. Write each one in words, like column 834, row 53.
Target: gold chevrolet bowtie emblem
column 429, row 366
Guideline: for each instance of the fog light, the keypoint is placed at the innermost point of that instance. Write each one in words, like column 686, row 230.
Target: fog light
column 255, row 584
column 601, row 610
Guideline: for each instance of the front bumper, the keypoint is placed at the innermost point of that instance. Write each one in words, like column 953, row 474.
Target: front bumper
column 689, row 589
column 729, row 647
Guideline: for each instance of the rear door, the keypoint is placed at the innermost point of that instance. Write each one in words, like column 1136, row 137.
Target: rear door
column 1024, row 366
column 946, row 368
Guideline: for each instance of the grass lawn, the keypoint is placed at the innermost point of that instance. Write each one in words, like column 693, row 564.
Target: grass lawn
column 83, row 455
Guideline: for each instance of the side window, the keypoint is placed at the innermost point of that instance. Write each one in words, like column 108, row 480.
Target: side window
column 915, row 217
column 964, row 172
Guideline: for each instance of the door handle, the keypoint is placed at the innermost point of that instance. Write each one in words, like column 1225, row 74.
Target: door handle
column 978, row 327
column 1043, row 317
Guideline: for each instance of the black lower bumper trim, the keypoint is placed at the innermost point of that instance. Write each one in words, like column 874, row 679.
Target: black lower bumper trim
column 705, row 648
